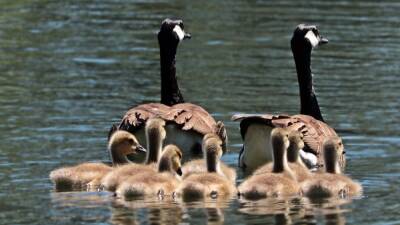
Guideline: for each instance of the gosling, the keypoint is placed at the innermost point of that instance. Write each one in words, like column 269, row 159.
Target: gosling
column 281, row 181
column 299, row 169
column 211, row 183
column 200, row 165
column 151, row 183
column 88, row 175
column 155, row 136
column 331, row 183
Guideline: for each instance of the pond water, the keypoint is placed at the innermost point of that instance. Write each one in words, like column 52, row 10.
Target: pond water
column 69, row 69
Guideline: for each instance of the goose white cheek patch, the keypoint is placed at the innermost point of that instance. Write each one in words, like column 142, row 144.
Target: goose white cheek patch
column 312, row 38
column 179, row 32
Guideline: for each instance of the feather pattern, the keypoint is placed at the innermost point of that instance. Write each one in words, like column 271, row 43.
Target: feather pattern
column 314, row 131
column 189, row 116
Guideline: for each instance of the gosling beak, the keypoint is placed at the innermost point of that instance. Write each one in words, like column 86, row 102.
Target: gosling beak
column 140, row 148
column 179, row 171
column 323, row 41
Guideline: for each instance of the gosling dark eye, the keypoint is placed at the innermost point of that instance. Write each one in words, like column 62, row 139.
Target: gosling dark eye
column 130, row 141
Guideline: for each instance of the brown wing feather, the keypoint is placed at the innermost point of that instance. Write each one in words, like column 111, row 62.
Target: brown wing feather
column 189, row 116
column 314, row 131
column 192, row 116
column 137, row 116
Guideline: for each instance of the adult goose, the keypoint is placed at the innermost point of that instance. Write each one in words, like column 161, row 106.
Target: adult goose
column 256, row 129
column 186, row 123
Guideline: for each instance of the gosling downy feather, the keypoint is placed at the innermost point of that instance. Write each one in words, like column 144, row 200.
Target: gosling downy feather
column 200, row 166
column 152, row 183
column 331, row 183
column 212, row 183
column 300, row 171
column 281, row 181
column 88, row 175
column 187, row 123
column 155, row 135
column 256, row 149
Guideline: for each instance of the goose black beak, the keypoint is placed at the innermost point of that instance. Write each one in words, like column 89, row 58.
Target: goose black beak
column 179, row 171
column 140, row 148
column 323, row 41
column 187, row 36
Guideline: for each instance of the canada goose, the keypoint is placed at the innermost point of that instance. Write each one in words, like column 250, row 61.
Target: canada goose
column 281, row 181
column 88, row 175
column 300, row 171
column 155, row 136
column 186, row 123
column 163, row 182
column 255, row 129
column 200, row 166
column 331, row 183
column 212, row 183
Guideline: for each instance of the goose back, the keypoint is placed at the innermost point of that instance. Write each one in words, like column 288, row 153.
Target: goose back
column 314, row 131
column 187, row 123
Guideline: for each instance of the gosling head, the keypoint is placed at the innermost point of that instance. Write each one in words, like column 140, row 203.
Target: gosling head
column 307, row 36
column 171, row 160
column 212, row 150
column 280, row 138
column 333, row 149
column 212, row 144
column 122, row 143
column 280, row 143
column 172, row 32
column 156, row 125
column 155, row 136
column 296, row 144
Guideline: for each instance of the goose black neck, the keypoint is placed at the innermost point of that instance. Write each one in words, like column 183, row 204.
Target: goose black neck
column 308, row 100
column 170, row 93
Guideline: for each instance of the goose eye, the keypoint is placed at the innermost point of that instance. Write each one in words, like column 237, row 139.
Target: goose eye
column 181, row 25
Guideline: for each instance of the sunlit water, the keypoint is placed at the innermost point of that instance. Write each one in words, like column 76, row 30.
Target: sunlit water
column 69, row 69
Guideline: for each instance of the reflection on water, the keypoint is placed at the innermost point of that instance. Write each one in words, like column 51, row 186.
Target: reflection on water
column 210, row 211
column 69, row 69
column 297, row 210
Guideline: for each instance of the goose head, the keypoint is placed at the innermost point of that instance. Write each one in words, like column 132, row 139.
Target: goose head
column 307, row 36
column 212, row 151
column 333, row 149
column 296, row 144
column 121, row 144
column 170, row 160
column 172, row 32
